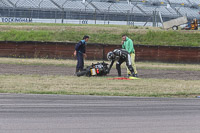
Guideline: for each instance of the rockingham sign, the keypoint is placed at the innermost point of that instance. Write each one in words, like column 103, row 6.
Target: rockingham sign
column 15, row 20
column 69, row 21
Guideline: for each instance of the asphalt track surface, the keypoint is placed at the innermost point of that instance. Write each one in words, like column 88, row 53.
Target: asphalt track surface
column 26, row 113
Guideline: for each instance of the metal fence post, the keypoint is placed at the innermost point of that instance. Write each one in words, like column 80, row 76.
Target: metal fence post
column 128, row 17
column 62, row 15
column 104, row 18
column 154, row 19
column 108, row 14
column 95, row 17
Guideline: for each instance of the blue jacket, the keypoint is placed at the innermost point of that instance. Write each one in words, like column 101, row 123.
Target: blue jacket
column 80, row 46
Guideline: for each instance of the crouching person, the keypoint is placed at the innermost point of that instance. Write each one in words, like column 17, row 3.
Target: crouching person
column 121, row 55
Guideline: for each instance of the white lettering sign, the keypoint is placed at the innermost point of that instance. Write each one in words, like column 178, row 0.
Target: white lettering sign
column 16, row 20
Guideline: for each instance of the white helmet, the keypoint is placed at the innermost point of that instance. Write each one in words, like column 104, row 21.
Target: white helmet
column 110, row 56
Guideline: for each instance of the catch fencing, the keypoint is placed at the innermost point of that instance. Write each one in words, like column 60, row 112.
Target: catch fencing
column 78, row 17
column 98, row 12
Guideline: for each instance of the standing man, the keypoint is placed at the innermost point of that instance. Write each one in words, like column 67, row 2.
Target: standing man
column 127, row 44
column 80, row 53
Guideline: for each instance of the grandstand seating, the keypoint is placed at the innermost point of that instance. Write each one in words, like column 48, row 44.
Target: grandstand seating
column 127, row 7
column 162, row 9
column 195, row 2
column 185, row 11
column 77, row 5
column 60, row 2
column 139, row 8
column 179, row 2
column 159, row 1
column 116, row 7
column 4, row 3
column 27, row 3
column 105, row 6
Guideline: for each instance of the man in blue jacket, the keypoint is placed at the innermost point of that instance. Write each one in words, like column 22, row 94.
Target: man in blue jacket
column 80, row 53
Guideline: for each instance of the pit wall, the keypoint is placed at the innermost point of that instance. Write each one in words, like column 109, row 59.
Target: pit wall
column 64, row 50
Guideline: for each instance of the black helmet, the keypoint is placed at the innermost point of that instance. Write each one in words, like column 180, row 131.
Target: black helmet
column 117, row 52
column 110, row 56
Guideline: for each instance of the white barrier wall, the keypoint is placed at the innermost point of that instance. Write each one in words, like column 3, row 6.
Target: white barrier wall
column 71, row 21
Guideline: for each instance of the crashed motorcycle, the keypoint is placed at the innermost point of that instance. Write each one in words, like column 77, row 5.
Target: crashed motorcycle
column 98, row 69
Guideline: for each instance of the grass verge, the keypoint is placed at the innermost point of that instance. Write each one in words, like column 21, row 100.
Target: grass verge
column 72, row 63
column 68, row 85
column 105, row 34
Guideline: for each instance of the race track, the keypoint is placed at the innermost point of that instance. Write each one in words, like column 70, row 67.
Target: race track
column 21, row 113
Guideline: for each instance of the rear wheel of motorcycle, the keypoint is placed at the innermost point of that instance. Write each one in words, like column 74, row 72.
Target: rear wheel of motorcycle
column 82, row 73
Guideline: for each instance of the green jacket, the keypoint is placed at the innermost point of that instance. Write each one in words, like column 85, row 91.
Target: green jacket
column 128, row 45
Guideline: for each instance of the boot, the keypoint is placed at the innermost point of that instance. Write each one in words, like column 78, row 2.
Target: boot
column 77, row 70
column 134, row 75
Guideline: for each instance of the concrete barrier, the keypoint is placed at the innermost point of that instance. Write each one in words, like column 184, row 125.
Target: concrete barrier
column 64, row 50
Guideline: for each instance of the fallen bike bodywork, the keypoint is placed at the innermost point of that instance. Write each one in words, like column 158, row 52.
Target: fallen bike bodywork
column 98, row 69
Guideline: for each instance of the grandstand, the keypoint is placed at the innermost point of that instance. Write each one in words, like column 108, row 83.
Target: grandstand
column 105, row 10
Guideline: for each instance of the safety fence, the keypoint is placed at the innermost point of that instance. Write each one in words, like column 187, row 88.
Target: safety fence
column 64, row 50
column 131, row 12
column 79, row 17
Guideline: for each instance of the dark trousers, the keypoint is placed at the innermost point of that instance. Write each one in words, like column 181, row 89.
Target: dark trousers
column 80, row 62
column 128, row 64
